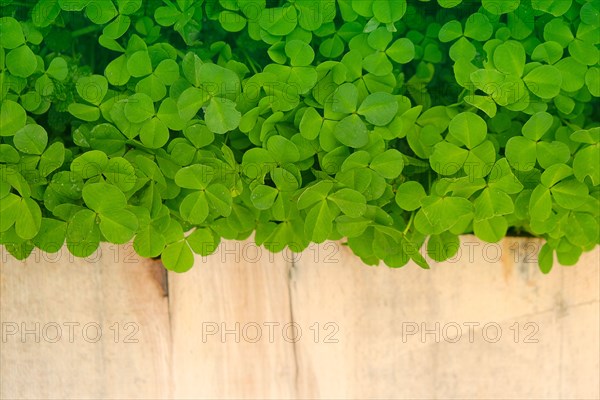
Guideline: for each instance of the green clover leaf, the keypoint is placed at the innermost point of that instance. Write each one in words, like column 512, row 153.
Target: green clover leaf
column 92, row 89
column 139, row 108
column 102, row 197
column 500, row 7
column 509, row 58
column 468, row 128
column 537, row 126
column 279, row 21
column 51, row 235
column 352, row 131
column 178, row 257
column 350, row 202
column 222, row 115
column 31, row 139
column 409, row 195
column 388, row 164
column 11, row 33
column 544, row 81
column 21, row 61
column 83, row 234
column 379, row 108
column 345, row 99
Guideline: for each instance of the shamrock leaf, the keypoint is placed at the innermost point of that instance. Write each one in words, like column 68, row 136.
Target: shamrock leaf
column 450, row 31
column 300, row 53
column 318, row 223
column 509, row 58
column 11, row 33
column 93, row 88
column 388, row 164
column 468, row 128
column 345, row 99
column 409, row 195
column 149, row 242
column 549, row 52
column 12, row 118
column 402, row 51
column 544, row 81
column 83, row 234
column 31, row 139
column 118, row 226
column 51, row 235
column 442, row 213
column 263, row 196
column 500, row 7
column 21, row 61
column 379, row 108
column 537, row 126
column 139, row 108
column 586, row 164
column 352, row 131
column 442, row 247
column 154, row 133
column 389, row 11
column 178, row 257
column 222, row 116
column 492, row 203
column 196, row 177
column 491, row 230
column 350, row 202
column 103, row 197
column 279, row 21
column 556, row 8
column 194, row 208
column 90, row 164
column 523, row 151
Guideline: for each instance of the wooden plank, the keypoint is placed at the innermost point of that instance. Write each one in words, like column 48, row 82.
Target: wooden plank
column 376, row 309
column 354, row 322
column 51, row 292
column 217, row 310
column 580, row 342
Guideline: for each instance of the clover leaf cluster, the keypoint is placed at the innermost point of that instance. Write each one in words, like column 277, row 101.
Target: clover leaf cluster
column 397, row 125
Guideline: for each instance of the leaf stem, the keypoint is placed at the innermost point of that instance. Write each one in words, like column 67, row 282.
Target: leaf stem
column 250, row 61
column 86, row 30
column 409, row 224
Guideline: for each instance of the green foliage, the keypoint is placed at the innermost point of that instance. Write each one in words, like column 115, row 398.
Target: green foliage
column 397, row 125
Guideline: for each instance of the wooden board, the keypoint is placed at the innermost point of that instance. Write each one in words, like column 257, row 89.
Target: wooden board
column 51, row 292
column 329, row 326
column 218, row 310
column 398, row 329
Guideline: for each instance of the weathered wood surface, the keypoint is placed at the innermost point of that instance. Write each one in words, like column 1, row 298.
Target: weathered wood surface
column 361, row 327
column 224, row 293
column 112, row 286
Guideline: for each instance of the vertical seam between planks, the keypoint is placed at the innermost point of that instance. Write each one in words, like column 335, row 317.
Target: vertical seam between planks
column 291, row 268
column 166, row 293
column 562, row 336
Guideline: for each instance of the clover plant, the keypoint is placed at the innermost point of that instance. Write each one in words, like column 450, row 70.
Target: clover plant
column 396, row 125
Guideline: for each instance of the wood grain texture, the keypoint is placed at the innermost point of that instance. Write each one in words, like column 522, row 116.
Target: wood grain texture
column 498, row 285
column 330, row 327
column 217, row 310
column 112, row 286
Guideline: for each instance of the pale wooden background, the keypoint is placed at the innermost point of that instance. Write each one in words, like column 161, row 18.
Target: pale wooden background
column 372, row 359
